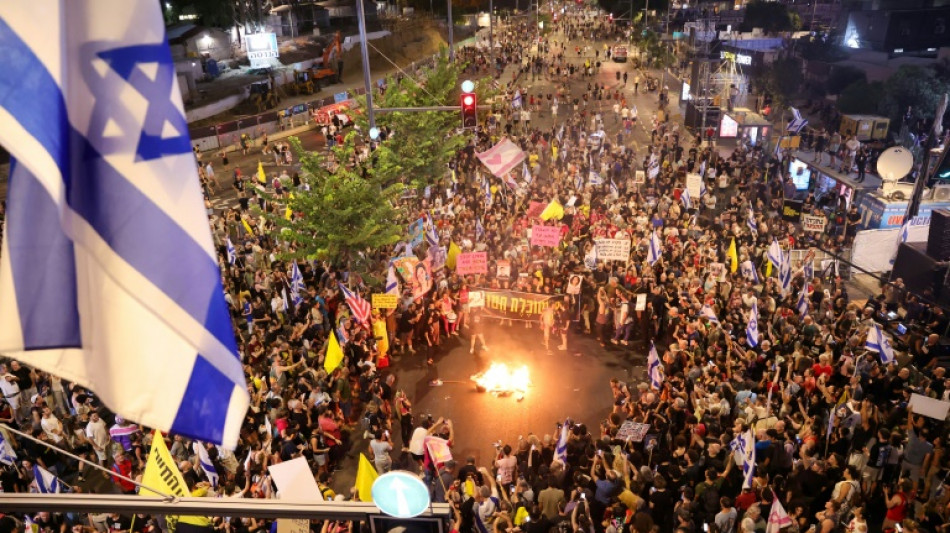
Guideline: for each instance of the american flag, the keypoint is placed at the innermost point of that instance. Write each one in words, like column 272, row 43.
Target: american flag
column 361, row 308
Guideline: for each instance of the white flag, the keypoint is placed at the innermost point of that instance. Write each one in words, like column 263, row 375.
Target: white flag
column 778, row 518
column 108, row 274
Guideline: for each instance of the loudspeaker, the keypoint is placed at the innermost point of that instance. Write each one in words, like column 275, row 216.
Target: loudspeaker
column 920, row 272
column 938, row 241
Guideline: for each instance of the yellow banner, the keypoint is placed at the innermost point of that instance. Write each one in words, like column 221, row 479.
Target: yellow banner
column 385, row 301
column 161, row 472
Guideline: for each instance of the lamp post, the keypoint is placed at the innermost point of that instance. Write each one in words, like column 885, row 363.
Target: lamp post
column 364, row 52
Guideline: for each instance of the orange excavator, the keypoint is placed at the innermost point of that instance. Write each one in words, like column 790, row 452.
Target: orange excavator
column 326, row 73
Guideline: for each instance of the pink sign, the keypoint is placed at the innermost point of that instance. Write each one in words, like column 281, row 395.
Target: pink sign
column 545, row 236
column 472, row 263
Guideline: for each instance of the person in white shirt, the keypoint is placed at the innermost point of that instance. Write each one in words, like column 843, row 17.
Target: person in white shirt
column 9, row 388
column 98, row 435
column 52, row 427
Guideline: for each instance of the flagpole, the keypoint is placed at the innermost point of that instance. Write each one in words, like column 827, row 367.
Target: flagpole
column 168, row 498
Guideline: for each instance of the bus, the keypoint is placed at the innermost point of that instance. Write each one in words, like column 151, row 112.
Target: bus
column 620, row 54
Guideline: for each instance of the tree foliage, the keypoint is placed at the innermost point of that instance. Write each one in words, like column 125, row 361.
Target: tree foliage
column 347, row 209
column 917, row 88
column 842, row 76
column 861, row 98
column 770, row 16
column 781, row 79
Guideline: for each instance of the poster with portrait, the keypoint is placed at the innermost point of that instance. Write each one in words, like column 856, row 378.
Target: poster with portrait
column 503, row 269
column 574, row 285
column 422, row 279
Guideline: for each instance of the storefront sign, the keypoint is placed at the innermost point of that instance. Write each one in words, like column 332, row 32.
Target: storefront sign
column 741, row 59
column 260, row 48
column 472, row 263
column 815, row 223
column 545, row 236
column 513, row 304
column 792, row 210
column 613, row 249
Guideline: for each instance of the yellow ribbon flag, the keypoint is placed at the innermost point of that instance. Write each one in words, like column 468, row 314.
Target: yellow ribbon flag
column 365, row 476
column 247, row 227
column 261, row 176
column 768, row 268
column 334, row 354
column 382, row 337
column 451, row 255
column 288, row 212
column 553, row 210
column 161, row 472
column 731, row 254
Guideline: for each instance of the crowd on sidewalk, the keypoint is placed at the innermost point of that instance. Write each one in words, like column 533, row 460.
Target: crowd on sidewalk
column 770, row 388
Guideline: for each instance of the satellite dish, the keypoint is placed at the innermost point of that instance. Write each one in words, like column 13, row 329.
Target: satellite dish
column 894, row 163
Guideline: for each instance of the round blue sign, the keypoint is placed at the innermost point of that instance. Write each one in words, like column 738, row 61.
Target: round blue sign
column 400, row 494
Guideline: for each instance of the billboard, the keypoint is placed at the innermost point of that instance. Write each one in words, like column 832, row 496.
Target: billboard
column 261, row 48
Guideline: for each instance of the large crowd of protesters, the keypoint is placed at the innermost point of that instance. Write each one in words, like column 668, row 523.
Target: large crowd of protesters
column 836, row 442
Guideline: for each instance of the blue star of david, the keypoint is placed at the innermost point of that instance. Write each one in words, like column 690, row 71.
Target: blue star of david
column 158, row 92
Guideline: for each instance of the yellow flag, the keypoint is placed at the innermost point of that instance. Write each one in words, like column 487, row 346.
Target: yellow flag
column 161, row 472
column 768, row 268
column 451, row 255
column 261, row 176
column 553, row 210
column 382, row 338
column 334, row 354
column 843, row 399
column 731, row 254
column 247, row 227
column 365, row 476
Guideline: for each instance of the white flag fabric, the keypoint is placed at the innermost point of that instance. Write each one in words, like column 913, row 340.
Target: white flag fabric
column 44, row 481
column 204, row 460
column 877, row 342
column 656, row 249
column 560, row 452
column 752, row 330
column 778, row 518
column 109, row 276
column 7, row 453
column 654, row 370
column 392, row 282
column 708, row 313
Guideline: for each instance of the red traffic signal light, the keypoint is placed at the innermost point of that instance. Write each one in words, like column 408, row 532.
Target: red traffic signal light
column 469, row 104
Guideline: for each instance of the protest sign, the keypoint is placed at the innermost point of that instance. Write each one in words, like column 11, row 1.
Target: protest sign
column 640, row 177
column 929, row 407
column 641, row 304
column 792, row 210
column 717, row 271
column 613, row 249
column 472, row 263
column 514, row 304
column 693, row 185
column 293, row 525
column 476, row 299
column 385, row 301
column 545, row 236
column 632, row 431
column 503, row 269
column 295, row 482
column 815, row 223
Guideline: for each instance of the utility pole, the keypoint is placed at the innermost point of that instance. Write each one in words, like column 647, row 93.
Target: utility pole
column 491, row 32
column 451, row 32
column 923, row 175
column 364, row 52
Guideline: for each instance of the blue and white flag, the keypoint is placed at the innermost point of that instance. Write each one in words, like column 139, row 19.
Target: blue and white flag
column 108, row 270
column 44, row 481
column 743, row 449
column 808, row 269
column 747, row 269
column 702, row 188
column 479, row 230
column 560, row 451
column 775, row 254
column 594, row 179
column 687, row 201
column 785, row 274
column 655, row 251
column 708, row 313
column 7, row 453
column 752, row 329
column 803, row 301
column 877, row 342
column 526, row 173
column 560, row 133
column 296, row 284
column 487, row 189
column 286, row 302
column 232, row 252
column 904, row 233
column 613, row 189
column 432, row 234
column 753, row 226
column 204, row 461
column 590, row 259
column 392, row 282
column 654, row 369
column 516, row 99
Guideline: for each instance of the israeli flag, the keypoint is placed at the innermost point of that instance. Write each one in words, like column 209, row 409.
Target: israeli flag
column 654, row 370
column 785, row 274
column 655, row 251
column 44, row 481
column 487, row 188
column 432, row 235
column 748, row 271
column 687, row 201
column 526, row 173
column 296, row 284
column 613, row 189
column 708, row 313
column 753, row 226
column 594, row 179
column 590, row 259
column 204, row 460
column 7, row 453
column 752, row 330
column 905, row 232
column 802, row 305
column 479, row 230
column 808, row 270
column 392, row 282
column 702, row 188
column 232, row 252
column 283, row 296
column 560, row 451
column 775, row 254
column 108, row 270
column 746, row 448
column 877, row 342
column 797, row 123
column 516, row 99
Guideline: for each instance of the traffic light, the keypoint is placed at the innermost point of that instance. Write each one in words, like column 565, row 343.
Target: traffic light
column 469, row 110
